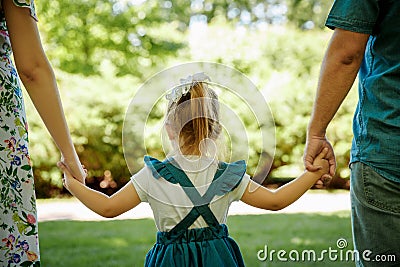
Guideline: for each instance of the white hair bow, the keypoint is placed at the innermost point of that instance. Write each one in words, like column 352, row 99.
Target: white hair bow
column 185, row 84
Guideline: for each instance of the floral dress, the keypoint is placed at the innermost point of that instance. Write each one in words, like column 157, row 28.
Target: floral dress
column 18, row 225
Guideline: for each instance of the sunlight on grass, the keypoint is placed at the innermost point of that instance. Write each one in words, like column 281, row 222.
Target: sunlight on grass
column 126, row 242
column 118, row 242
column 299, row 241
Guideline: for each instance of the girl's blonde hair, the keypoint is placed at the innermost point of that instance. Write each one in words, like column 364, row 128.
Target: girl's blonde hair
column 194, row 119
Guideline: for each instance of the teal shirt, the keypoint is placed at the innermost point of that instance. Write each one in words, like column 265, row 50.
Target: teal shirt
column 376, row 123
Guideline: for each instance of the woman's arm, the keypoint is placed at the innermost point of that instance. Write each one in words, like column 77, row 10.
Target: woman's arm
column 261, row 197
column 38, row 78
column 125, row 199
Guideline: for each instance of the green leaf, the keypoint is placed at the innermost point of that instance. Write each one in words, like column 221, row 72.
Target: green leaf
column 32, row 231
column 26, row 167
column 26, row 264
column 9, row 170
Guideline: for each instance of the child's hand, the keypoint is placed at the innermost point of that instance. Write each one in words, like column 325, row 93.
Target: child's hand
column 321, row 162
column 323, row 170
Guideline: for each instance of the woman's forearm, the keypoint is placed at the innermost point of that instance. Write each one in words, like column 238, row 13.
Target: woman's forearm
column 44, row 94
column 42, row 89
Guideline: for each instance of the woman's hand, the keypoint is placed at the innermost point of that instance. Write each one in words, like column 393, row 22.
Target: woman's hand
column 67, row 175
column 75, row 169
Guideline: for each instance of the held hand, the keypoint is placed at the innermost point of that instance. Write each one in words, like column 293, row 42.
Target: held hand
column 323, row 182
column 66, row 173
column 314, row 146
column 321, row 163
column 67, row 176
column 75, row 169
column 323, row 167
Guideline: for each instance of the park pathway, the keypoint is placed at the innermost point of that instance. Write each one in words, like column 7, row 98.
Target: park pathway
column 312, row 202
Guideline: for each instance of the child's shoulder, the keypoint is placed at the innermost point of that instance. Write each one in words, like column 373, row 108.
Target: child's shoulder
column 225, row 168
column 159, row 168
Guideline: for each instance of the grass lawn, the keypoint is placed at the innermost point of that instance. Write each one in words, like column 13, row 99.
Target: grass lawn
column 126, row 242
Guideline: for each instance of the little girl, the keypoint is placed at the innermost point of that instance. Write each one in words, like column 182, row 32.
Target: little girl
column 190, row 191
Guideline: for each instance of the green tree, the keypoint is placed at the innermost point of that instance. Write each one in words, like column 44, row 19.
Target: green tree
column 95, row 109
column 137, row 36
column 80, row 35
column 308, row 14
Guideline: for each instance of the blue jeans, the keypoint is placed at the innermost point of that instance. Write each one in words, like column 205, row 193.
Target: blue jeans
column 375, row 215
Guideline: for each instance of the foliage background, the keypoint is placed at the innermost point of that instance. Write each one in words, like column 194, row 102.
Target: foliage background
column 102, row 51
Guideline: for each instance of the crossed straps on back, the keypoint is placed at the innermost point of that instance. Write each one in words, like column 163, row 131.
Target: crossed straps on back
column 201, row 203
column 227, row 177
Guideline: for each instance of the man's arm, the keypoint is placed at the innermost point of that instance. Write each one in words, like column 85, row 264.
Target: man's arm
column 338, row 71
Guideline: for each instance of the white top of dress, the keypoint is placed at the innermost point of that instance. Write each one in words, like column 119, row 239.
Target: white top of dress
column 169, row 202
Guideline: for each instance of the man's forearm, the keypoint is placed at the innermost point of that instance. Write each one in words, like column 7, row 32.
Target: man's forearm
column 338, row 72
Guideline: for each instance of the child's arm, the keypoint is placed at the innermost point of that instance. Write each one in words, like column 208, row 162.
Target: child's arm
column 261, row 197
column 125, row 199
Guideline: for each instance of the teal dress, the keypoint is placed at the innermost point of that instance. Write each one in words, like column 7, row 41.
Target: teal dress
column 208, row 246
